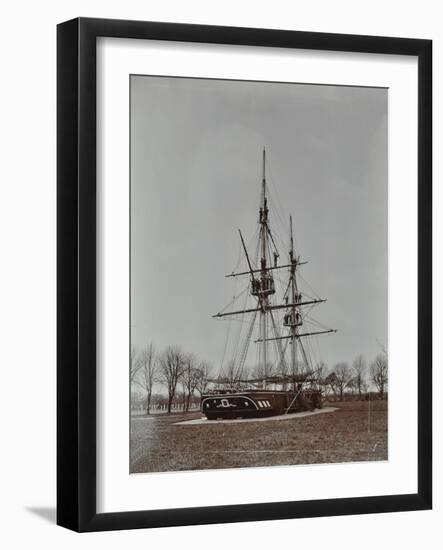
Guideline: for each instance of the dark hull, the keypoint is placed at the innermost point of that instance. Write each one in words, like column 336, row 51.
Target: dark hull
column 222, row 405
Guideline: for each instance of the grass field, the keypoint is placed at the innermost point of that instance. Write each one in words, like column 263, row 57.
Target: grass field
column 357, row 431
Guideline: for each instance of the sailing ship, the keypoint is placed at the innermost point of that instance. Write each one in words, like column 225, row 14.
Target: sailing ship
column 281, row 384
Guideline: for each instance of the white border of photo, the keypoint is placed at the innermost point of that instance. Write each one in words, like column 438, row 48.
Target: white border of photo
column 117, row 490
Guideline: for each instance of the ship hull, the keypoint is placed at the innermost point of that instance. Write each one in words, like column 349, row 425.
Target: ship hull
column 222, row 405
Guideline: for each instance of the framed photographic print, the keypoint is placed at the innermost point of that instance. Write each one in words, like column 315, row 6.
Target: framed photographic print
column 244, row 274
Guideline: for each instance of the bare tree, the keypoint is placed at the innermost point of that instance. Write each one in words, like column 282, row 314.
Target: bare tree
column 189, row 379
column 230, row 374
column 297, row 368
column 147, row 373
column 321, row 378
column 243, row 375
column 135, row 365
column 180, row 397
column 331, row 382
column 360, row 367
column 379, row 373
column 171, row 368
column 262, row 372
column 342, row 378
column 352, row 385
column 203, row 373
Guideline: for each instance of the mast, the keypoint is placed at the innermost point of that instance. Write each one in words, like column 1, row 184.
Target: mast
column 294, row 292
column 262, row 287
column 263, row 236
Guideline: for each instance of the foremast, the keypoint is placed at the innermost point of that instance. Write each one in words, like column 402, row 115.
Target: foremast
column 263, row 286
column 267, row 286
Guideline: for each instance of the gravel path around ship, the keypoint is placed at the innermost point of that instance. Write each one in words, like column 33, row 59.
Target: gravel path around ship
column 292, row 416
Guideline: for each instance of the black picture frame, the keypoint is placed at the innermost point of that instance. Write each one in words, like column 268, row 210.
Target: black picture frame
column 76, row 274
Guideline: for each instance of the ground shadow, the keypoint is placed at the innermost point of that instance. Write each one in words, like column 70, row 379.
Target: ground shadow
column 46, row 513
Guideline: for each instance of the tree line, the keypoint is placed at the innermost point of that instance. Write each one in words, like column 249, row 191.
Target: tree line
column 173, row 369
column 183, row 375
column 355, row 379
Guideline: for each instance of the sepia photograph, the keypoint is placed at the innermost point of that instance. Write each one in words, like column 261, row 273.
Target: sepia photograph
column 258, row 274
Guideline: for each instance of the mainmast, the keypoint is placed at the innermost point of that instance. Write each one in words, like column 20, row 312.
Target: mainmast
column 263, row 217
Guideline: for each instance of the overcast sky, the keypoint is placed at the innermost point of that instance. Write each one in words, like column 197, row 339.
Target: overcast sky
column 196, row 148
